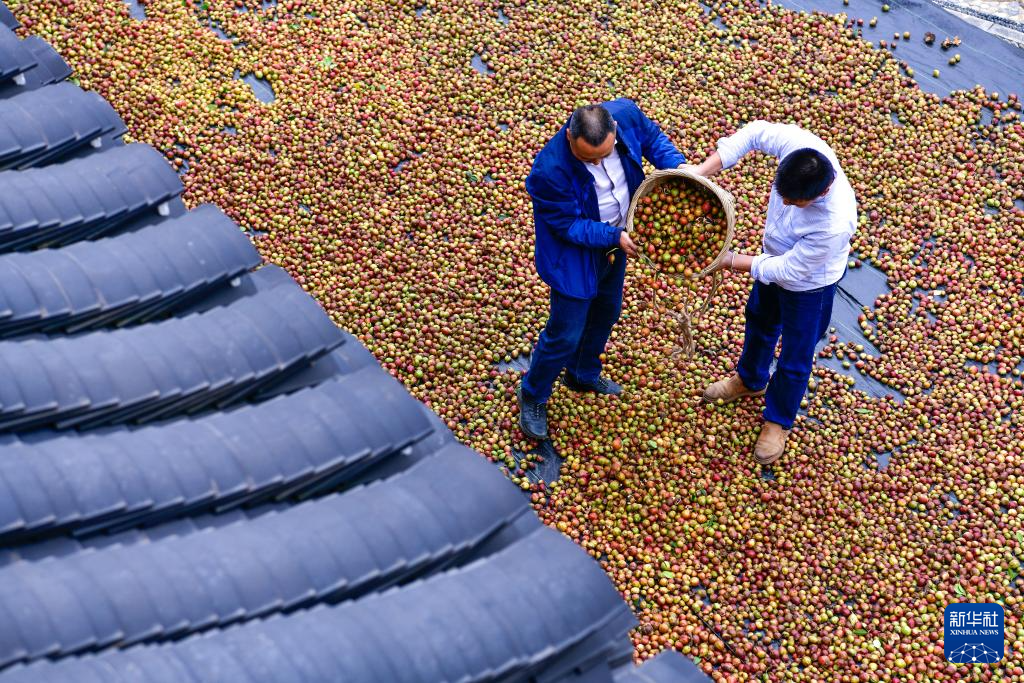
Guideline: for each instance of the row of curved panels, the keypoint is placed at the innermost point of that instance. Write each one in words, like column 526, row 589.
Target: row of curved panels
column 83, row 198
column 133, row 277
column 312, row 439
column 455, row 626
column 26, row 64
column 53, row 122
column 175, row 366
column 325, row 550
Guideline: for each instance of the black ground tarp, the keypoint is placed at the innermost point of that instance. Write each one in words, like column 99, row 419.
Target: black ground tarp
column 986, row 60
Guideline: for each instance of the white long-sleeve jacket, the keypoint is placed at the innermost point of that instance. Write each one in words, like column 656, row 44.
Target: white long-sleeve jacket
column 804, row 248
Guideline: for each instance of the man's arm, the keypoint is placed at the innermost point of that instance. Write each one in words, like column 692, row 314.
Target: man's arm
column 771, row 138
column 656, row 146
column 710, row 166
column 738, row 262
column 558, row 209
column 811, row 251
column 801, row 263
column 777, row 139
column 796, row 266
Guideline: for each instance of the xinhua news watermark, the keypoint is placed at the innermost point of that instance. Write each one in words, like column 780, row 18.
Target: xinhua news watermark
column 973, row 633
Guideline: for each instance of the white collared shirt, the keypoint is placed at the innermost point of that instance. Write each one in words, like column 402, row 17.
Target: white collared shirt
column 612, row 189
column 804, row 248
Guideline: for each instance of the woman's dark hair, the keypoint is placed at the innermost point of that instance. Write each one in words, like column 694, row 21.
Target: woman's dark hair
column 804, row 174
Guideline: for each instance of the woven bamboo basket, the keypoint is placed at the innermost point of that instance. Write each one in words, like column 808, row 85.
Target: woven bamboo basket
column 686, row 317
column 659, row 178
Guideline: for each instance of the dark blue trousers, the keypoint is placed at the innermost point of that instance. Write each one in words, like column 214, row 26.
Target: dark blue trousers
column 576, row 333
column 800, row 318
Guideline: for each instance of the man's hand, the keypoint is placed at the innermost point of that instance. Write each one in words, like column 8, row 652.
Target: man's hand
column 627, row 245
column 727, row 261
column 737, row 262
column 711, row 166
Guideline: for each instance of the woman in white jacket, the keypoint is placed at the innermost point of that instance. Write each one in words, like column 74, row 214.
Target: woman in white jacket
column 812, row 213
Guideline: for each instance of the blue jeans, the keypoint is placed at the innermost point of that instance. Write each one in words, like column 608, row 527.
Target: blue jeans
column 576, row 333
column 801, row 318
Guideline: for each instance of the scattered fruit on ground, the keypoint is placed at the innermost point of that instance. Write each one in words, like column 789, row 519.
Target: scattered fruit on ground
column 387, row 177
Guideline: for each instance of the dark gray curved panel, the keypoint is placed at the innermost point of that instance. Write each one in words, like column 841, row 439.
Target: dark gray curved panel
column 667, row 667
column 7, row 19
column 33, row 64
column 15, row 59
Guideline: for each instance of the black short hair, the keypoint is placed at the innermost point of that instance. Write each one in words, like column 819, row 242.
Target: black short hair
column 593, row 123
column 804, row 174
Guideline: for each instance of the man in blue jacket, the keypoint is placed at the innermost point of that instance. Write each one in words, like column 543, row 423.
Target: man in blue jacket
column 581, row 185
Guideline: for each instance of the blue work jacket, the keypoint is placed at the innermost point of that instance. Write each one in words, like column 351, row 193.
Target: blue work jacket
column 571, row 239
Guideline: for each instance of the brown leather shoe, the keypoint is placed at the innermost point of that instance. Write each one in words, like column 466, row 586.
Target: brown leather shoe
column 728, row 390
column 771, row 444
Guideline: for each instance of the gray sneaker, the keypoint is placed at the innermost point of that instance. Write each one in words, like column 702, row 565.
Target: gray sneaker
column 533, row 417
